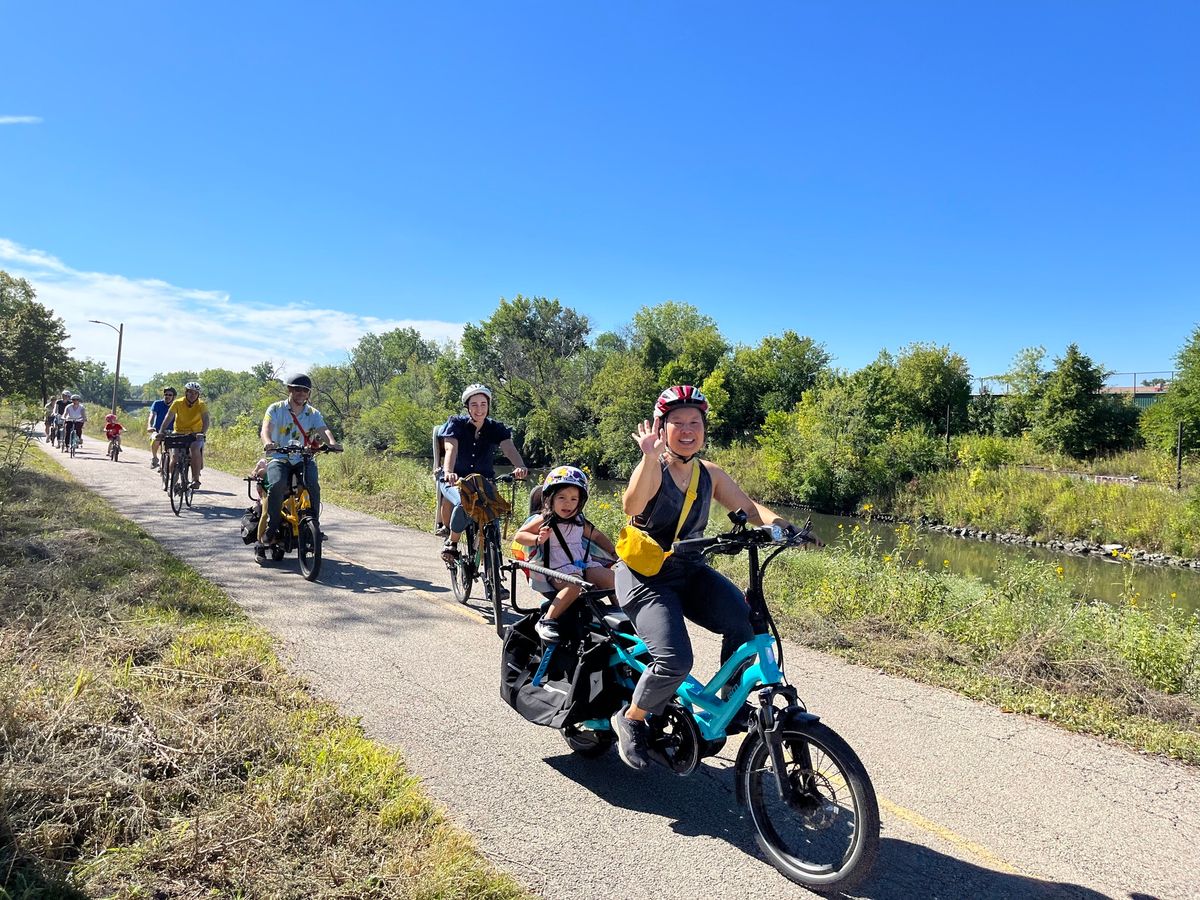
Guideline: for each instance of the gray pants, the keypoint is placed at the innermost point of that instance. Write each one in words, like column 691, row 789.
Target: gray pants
column 658, row 605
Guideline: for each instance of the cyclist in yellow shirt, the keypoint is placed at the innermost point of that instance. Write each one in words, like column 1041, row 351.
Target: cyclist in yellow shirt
column 189, row 415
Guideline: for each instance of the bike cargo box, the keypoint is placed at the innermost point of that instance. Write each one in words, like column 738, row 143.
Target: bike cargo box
column 558, row 684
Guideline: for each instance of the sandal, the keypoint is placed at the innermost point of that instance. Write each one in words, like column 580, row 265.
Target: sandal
column 450, row 552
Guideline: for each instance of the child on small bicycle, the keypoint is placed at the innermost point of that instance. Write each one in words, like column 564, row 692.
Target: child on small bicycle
column 112, row 430
column 559, row 533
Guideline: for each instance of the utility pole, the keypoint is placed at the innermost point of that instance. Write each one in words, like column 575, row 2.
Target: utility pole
column 1179, row 458
column 120, row 330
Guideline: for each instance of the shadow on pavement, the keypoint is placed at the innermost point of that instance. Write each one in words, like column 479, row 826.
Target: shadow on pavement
column 345, row 575
column 705, row 804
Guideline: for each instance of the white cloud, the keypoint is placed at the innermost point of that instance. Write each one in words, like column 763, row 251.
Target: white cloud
column 20, row 120
column 168, row 328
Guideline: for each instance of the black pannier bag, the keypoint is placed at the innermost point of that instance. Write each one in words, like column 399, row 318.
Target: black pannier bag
column 556, row 684
column 249, row 523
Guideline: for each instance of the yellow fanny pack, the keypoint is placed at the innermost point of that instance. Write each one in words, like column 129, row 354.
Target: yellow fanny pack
column 643, row 553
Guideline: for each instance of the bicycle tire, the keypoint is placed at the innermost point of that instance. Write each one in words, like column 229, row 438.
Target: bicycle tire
column 832, row 791
column 491, row 574
column 588, row 744
column 176, row 489
column 74, row 444
column 308, row 549
column 462, row 570
column 189, row 492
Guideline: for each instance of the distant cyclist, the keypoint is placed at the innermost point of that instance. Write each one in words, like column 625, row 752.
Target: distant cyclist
column 190, row 416
column 286, row 423
column 74, row 416
column 55, row 408
column 112, row 430
column 471, row 443
column 158, row 412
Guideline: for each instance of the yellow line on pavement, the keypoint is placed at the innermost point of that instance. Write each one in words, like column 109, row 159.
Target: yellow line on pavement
column 978, row 850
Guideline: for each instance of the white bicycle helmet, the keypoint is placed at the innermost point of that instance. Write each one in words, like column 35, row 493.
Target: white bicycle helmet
column 192, row 386
column 472, row 389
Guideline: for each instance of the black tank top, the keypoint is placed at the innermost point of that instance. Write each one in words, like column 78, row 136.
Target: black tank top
column 661, row 514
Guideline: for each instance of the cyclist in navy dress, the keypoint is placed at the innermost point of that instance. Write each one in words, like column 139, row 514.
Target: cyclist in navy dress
column 471, row 443
column 686, row 587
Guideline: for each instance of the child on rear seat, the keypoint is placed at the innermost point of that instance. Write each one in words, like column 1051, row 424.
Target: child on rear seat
column 558, row 536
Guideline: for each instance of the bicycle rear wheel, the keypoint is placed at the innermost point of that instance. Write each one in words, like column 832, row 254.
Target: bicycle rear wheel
column 176, row 489
column 462, row 569
column 826, row 836
column 308, row 549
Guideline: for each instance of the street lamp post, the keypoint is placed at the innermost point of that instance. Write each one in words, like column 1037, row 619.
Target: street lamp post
column 120, row 330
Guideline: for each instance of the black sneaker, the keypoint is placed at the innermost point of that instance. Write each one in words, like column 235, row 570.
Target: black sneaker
column 547, row 630
column 632, row 740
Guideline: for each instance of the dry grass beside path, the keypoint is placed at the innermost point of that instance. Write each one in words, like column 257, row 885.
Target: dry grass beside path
column 151, row 745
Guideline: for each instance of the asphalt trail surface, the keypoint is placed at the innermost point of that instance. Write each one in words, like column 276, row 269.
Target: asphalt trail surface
column 975, row 803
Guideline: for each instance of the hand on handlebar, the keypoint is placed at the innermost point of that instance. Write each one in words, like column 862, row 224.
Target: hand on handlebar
column 519, row 473
column 451, row 478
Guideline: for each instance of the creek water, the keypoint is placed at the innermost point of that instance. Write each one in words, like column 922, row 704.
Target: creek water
column 1090, row 577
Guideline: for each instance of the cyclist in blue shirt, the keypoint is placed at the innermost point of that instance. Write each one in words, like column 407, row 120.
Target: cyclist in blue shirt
column 471, row 443
column 158, row 412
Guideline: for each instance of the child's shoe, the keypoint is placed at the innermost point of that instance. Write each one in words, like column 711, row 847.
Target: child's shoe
column 547, row 630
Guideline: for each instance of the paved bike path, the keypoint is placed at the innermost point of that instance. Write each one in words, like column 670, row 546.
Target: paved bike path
column 974, row 802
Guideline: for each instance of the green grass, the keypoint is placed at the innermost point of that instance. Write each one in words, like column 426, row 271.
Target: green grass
column 1046, row 506
column 152, row 743
column 1023, row 643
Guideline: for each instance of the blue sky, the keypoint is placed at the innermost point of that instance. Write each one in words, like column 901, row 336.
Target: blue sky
column 239, row 181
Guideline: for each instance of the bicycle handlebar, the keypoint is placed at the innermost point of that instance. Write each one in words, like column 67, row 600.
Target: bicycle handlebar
column 303, row 451
column 741, row 537
column 551, row 573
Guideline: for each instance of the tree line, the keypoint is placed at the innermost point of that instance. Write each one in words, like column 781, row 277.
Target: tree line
column 819, row 434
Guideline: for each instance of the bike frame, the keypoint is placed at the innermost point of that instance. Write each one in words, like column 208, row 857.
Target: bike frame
column 711, row 713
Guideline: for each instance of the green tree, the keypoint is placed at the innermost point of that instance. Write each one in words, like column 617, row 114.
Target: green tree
column 658, row 334
column 933, row 381
column 1073, row 417
column 530, row 353
column 378, row 358
column 622, row 395
column 1180, row 403
column 34, row 360
column 753, row 381
column 95, row 384
column 1025, row 382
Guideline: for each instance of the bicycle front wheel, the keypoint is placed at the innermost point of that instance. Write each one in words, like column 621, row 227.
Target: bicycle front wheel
column 491, row 574
column 176, row 489
column 826, row 836
column 308, row 549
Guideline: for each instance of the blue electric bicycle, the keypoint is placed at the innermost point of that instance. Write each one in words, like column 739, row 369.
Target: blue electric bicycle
column 807, row 793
